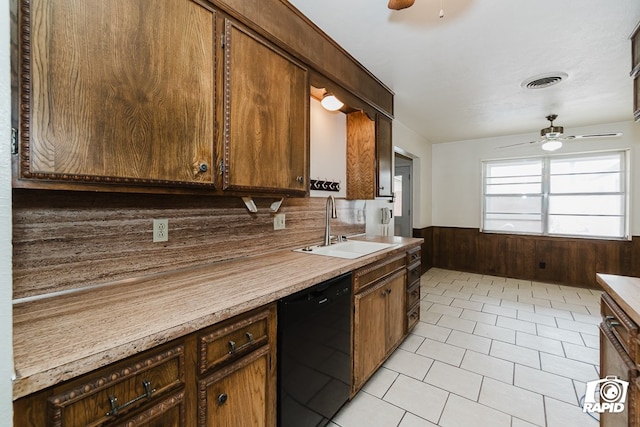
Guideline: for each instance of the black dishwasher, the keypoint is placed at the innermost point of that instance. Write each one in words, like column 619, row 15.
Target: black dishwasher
column 314, row 353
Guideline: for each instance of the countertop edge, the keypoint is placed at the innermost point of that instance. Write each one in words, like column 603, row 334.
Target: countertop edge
column 625, row 291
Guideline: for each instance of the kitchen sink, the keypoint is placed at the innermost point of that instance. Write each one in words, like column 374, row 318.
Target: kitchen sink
column 348, row 250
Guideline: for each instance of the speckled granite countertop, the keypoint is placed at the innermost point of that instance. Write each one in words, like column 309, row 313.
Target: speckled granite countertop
column 625, row 291
column 61, row 337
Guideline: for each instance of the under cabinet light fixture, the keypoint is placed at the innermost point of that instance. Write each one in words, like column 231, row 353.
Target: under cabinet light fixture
column 331, row 103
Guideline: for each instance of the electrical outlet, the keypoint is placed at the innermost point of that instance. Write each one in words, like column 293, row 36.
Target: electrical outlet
column 160, row 230
column 278, row 222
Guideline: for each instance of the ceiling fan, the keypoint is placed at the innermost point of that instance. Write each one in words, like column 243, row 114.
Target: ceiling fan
column 400, row 4
column 552, row 137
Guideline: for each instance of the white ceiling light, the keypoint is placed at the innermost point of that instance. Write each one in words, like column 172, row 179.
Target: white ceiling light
column 331, row 103
column 552, row 145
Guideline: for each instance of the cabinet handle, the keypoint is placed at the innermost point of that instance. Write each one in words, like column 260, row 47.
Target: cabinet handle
column 611, row 321
column 383, row 293
column 113, row 400
column 389, row 291
column 222, row 399
column 413, row 315
column 415, row 293
column 203, row 167
column 300, row 179
column 250, row 342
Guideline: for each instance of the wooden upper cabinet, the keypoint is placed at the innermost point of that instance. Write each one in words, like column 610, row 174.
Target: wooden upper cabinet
column 384, row 157
column 369, row 157
column 266, row 116
column 117, row 91
column 635, row 70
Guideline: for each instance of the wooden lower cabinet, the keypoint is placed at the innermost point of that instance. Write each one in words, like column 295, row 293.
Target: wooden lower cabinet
column 618, row 358
column 378, row 321
column 179, row 384
column 236, row 396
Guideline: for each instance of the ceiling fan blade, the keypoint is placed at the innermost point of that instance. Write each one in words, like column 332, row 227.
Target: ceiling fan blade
column 596, row 135
column 400, row 4
column 519, row 143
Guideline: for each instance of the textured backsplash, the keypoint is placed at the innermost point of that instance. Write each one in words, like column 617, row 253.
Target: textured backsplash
column 65, row 240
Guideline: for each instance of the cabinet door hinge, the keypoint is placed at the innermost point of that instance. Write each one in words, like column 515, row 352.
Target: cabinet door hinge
column 222, row 41
column 14, row 141
column 221, row 167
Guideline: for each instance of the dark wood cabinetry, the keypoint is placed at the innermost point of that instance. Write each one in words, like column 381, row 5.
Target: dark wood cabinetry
column 384, row 157
column 266, row 114
column 178, row 97
column 224, row 375
column 369, row 156
column 117, row 92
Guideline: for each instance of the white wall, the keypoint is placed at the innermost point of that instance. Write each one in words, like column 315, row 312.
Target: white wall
column 328, row 133
column 457, row 170
column 409, row 143
column 6, row 355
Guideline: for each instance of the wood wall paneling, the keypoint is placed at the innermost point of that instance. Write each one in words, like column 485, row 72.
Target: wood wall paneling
column 569, row 261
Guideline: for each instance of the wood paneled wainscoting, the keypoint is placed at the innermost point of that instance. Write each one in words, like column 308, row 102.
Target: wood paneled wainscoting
column 568, row 261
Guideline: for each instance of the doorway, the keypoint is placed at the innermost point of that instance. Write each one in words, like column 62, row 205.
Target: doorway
column 403, row 224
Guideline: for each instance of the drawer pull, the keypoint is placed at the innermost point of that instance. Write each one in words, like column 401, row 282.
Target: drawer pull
column 415, row 293
column 611, row 321
column 250, row 342
column 115, row 409
column 413, row 315
column 222, row 399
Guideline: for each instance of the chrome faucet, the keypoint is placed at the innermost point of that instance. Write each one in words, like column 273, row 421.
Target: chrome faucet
column 331, row 210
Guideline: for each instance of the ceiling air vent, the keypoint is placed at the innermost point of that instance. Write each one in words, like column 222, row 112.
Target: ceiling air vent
column 544, row 80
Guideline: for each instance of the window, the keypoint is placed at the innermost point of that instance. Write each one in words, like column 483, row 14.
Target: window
column 578, row 195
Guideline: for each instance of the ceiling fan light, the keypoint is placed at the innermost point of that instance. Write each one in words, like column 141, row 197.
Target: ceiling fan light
column 331, row 103
column 552, row 145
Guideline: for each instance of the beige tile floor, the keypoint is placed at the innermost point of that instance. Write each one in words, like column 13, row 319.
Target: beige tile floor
column 488, row 352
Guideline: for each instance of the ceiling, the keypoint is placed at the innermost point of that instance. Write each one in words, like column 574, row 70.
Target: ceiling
column 459, row 77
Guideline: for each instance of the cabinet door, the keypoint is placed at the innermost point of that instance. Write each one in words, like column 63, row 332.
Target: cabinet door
column 396, row 310
column 266, row 114
column 369, row 332
column 361, row 156
column 118, row 91
column 384, row 157
column 239, row 395
column 369, row 157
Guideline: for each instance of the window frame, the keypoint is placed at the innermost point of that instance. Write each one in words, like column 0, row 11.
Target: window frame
column 545, row 194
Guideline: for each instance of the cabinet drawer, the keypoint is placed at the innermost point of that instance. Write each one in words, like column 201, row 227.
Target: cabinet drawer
column 413, row 274
column 236, row 338
column 101, row 397
column 369, row 274
column 413, row 295
column 413, row 317
column 413, row 255
column 624, row 329
column 169, row 412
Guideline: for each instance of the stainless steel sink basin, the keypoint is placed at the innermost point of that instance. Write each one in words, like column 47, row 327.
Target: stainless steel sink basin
column 348, row 250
